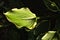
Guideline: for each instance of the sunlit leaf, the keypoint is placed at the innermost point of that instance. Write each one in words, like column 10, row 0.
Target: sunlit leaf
column 49, row 35
column 22, row 17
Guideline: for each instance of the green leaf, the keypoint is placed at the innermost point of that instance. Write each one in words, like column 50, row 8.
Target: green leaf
column 22, row 17
column 49, row 35
column 55, row 39
column 52, row 6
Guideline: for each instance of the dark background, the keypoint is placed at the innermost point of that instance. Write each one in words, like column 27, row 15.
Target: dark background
column 8, row 30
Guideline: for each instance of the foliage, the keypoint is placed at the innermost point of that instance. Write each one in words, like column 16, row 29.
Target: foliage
column 22, row 18
column 47, row 10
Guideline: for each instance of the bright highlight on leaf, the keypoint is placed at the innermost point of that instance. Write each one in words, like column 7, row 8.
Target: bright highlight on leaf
column 22, row 17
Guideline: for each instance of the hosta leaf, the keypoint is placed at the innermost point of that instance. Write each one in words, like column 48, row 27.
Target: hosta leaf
column 22, row 17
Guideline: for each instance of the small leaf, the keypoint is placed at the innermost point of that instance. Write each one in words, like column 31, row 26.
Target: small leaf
column 49, row 35
column 22, row 17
